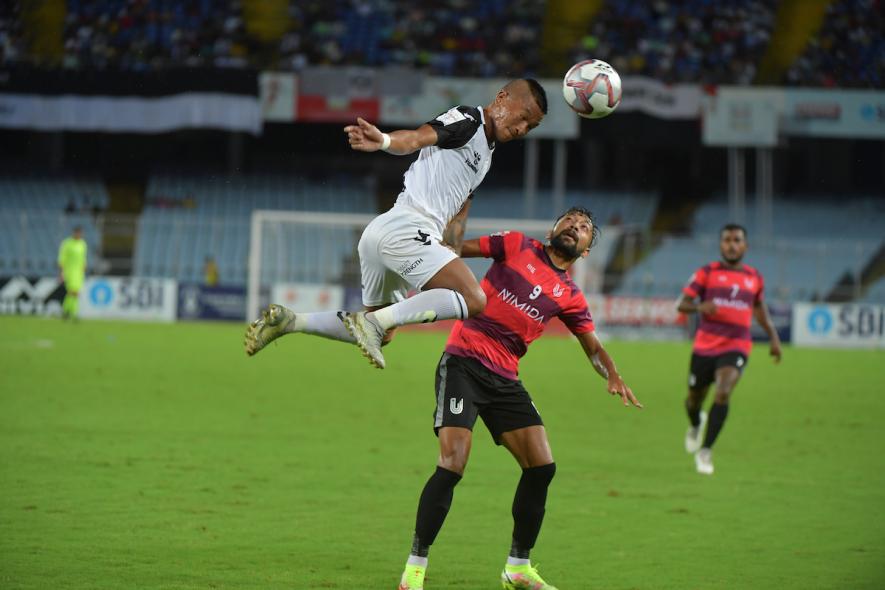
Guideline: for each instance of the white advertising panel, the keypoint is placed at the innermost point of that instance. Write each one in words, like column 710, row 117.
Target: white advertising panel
column 279, row 96
column 129, row 299
column 742, row 117
column 845, row 325
column 834, row 113
column 667, row 101
column 308, row 297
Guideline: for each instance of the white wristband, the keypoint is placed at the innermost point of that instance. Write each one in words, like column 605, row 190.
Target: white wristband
column 385, row 142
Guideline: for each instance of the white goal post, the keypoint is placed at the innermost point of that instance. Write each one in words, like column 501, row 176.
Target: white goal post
column 313, row 247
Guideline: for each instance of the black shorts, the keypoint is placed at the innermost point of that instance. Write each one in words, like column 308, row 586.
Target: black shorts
column 703, row 368
column 466, row 389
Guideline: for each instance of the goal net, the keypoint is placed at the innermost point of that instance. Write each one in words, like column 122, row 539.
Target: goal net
column 309, row 260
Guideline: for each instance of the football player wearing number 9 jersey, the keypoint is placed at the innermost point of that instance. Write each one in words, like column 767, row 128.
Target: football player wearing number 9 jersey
column 727, row 294
column 526, row 286
column 406, row 247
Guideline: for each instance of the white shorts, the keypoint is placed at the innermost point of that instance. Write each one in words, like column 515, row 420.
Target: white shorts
column 398, row 250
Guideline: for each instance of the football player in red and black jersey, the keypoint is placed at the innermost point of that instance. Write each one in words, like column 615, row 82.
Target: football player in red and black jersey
column 726, row 294
column 527, row 285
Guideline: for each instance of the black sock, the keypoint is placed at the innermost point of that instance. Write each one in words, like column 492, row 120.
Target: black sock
column 715, row 423
column 436, row 499
column 694, row 414
column 418, row 549
column 528, row 508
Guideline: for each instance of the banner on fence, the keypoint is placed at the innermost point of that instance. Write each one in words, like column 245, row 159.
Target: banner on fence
column 199, row 302
column 308, row 297
column 130, row 102
column 129, row 299
column 666, row 101
column 31, row 296
column 846, row 325
column 635, row 311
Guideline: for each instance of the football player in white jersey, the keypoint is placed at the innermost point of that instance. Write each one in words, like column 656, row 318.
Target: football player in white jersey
column 414, row 244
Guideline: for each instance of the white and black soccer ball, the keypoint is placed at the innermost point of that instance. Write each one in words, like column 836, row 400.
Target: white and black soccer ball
column 592, row 88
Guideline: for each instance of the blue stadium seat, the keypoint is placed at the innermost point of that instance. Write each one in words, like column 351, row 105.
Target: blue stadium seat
column 794, row 265
column 33, row 220
column 875, row 293
column 637, row 209
column 190, row 217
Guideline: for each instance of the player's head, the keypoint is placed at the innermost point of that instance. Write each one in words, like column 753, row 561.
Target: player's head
column 77, row 232
column 574, row 233
column 732, row 242
column 517, row 109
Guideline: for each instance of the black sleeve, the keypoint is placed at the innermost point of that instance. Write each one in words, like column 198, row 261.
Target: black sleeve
column 455, row 127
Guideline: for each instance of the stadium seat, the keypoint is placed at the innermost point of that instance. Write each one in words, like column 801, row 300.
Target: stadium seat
column 795, row 266
column 33, row 221
column 190, row 217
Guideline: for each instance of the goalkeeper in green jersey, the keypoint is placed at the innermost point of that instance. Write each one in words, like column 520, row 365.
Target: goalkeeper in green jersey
column 72, row 266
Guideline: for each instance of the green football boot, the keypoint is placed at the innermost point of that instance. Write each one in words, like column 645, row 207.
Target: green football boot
column 413, row 578
column 271, row 325
column 523, row 577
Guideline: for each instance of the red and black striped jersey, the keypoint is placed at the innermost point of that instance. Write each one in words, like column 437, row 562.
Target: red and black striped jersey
column 524, row 291
column 734, row 292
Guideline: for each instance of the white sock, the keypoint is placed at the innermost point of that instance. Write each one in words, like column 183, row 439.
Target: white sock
column 415, row 560
column 325, row 323
column 517, row 561
column 427, row 306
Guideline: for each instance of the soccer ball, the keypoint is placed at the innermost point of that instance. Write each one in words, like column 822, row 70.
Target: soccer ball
column 592, row 88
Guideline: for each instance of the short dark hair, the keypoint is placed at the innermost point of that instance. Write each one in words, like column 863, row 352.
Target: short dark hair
column 77, row 228
column 589, row 215
column 733, row 227
column 539, row 95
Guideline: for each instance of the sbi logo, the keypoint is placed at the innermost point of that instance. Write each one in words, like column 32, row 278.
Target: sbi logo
column 870, row 112
column 101, row 294
column 820, row 321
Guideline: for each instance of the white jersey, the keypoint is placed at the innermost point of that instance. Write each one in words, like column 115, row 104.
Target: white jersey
column 446, row 174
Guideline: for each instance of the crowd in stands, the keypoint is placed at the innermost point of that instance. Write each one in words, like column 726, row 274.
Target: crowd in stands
column 477, row 38
column 697, row 41
column 86, row 204
column 12, row 45
column 849, row 50
column 143, row 35
column 704, row 41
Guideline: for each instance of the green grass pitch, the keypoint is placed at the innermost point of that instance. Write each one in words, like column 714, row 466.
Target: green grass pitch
column 160, row 456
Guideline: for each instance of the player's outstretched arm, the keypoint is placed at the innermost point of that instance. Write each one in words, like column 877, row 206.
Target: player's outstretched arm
column 760, row 310
column 605, row 366
column 365, row 137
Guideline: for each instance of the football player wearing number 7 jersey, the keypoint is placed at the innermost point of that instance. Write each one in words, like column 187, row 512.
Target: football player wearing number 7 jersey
column 726, row 294
column 526, row 286
column 403, row 248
